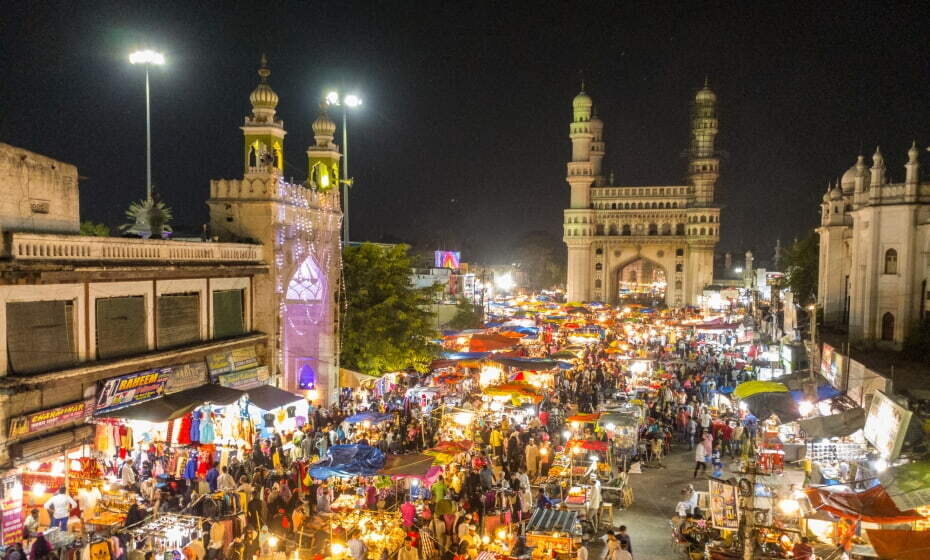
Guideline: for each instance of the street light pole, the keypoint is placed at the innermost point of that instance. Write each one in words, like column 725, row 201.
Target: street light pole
column 147, row 58
column 148, row 138
column 345, row 177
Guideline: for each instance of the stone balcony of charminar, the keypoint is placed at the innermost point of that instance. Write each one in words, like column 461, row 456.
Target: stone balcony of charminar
column 272, row 187
column 25, row 246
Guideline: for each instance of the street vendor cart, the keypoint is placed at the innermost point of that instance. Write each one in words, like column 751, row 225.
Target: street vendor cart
column 552, row 532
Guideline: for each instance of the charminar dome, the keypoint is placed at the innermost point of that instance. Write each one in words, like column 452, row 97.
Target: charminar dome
column 582, row 101
column 263, row 97
column 323, row 125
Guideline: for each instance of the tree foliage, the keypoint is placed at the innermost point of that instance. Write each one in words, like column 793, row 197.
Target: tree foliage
column 387, row 324
column 149, row 218
column 467, row 316
column 542, row 256
column 95, row 229
column 800, row 263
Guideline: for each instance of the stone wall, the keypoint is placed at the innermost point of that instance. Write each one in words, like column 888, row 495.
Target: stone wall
column 37, row 193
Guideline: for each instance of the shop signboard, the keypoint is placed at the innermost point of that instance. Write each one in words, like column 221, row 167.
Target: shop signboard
column 724, row 505
column 237, row 359
column 186, row 376
column 134, row 388
column 245, row 379
column 37, row 421
column 11, row 511
column 886, row 426
column 831, row 366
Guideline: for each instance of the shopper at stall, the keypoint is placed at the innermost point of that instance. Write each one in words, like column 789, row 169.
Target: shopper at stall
column 31, row 524
column 700, row 459
column 408, row 552
column 357, row 549
column 59, row 507
column 41, row 548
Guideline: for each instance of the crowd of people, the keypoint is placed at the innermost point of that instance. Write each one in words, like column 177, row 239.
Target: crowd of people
column 499, row 473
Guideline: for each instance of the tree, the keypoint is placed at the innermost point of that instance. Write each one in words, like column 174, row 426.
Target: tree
column 801, row 261
column 542, row 257
column 94, row 229
column 387, row 324
column 467, row 316
column 149, row 218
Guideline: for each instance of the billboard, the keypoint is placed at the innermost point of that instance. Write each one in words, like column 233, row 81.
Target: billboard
column 886, row 425
column 447, row 259
column 831, row 366
column 121, row 392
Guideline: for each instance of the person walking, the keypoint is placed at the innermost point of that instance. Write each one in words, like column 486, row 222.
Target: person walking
column 700, row 459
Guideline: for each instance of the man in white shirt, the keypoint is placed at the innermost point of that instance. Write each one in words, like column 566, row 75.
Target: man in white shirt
column 225, row 482
column 59, row 507
column 357, row 549
column 127, row 474
column 582, row 553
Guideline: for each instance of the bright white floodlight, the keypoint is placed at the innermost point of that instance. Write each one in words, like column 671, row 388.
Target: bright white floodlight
column 147, row 56
column 332, row 98
column 353, row 100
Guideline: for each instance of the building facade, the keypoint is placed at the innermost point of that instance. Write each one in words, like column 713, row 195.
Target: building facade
column 298, row 225
column 79, row 311
column 874, row 247
column 650, row 244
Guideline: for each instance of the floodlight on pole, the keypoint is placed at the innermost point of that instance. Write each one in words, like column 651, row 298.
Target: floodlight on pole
column 147, row 58
column 351, row 100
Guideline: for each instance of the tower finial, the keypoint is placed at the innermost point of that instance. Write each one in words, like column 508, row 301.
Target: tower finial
column 581, row 78
column 705, row 80
column 263, row 70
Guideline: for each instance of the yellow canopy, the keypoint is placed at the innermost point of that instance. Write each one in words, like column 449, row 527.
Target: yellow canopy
column 353, row 379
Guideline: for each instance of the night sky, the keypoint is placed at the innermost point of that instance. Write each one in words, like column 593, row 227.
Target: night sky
column 463, row 137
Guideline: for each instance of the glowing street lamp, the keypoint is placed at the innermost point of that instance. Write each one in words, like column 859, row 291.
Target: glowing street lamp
column 351, row 100
column 147, row 58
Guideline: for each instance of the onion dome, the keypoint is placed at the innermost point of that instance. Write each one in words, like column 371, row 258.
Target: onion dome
column 263, row 97
column 323, row 125
column 705, row 95
column 826, row 196
column 848, row 181
column 582, row 101
column 836, row 193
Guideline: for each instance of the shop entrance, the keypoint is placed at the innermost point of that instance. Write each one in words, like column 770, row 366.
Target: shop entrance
column 641, row 282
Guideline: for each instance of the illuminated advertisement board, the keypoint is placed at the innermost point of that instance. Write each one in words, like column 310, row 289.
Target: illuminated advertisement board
column 831, row 366
column 886, row 425
column 447, row 259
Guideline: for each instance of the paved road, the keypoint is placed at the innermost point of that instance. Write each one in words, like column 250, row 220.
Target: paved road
column 655, row 494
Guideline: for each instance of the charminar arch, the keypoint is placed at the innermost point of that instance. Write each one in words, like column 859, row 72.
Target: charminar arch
column 673, row 227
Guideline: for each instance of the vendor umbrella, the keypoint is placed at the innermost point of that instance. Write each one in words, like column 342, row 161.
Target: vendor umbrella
column 564, row 354
column 764, row 405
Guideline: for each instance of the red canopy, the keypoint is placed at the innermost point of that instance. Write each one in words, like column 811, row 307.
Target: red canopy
column 584, row 418
column 490, row 342
column 873, row 505
column 900, row 545
column 589, row 445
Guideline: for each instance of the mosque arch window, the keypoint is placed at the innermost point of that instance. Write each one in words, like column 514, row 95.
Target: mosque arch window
column 613, row 206
column 680, row 229
column 653, row 229
column 888, row 326
column 599, row 266
column 891, row 261
column 613, row 229
column 679, row 267
column 666, row 229
column 703, row 219
column 703, row 231
column 599, row 251
column 626, row 229
column 679, row 252
column 599, row 229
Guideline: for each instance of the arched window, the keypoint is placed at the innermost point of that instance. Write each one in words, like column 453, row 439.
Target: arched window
column 597, row 284
column 613, row 229
column 680, row 229
column 653, row 229
column 627, row 206
column 888, row 326
column 626, row 229
column 598, row 251
column 599, row 229
column 666, row 229
column 613, row 206
column 677, row 284
column 703, row 231
column 703, row 219
column 599, row 266
column 639, row 205
column 679, row 267
column 891, row 262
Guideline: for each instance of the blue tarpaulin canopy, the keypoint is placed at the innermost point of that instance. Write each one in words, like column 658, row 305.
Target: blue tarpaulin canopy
column 824, row 392
column 529, row 331
column 372, row 417
column 347, row 461
column 464, row 355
